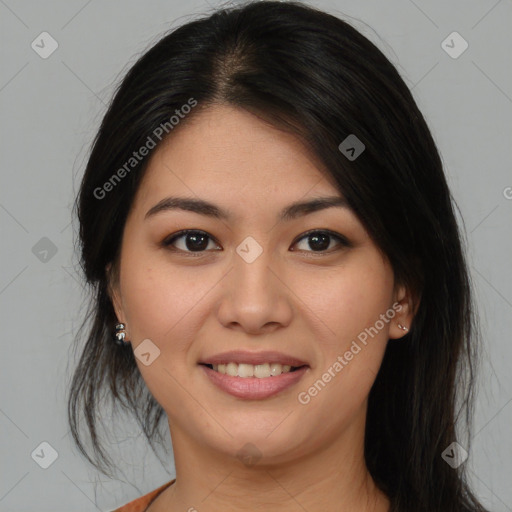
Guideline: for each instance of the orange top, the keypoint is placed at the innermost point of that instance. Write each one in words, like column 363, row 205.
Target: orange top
column 142, row 503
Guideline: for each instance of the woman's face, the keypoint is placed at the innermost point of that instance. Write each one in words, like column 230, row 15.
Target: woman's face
column 253, row 282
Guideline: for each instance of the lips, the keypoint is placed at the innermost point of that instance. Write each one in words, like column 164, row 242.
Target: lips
column 253, row 358
column 274, row 372
column 253, row 388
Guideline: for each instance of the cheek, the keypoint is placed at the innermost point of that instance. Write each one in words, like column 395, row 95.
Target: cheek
column 162, row 305
column 349, row 298
column 350, row 303
column 369, row 295
column 157, row 299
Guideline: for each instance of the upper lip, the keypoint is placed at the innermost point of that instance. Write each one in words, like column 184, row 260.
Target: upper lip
column 244, row 357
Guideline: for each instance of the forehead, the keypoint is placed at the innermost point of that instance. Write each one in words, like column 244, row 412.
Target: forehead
column 229, row 153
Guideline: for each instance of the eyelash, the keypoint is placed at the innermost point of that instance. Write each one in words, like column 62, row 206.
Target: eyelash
column 167, row 243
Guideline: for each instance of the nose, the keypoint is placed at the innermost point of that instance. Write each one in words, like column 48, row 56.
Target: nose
column 255, row 297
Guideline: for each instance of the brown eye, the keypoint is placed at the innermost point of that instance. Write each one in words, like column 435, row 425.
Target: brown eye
column 320, row 240
column 193, row 241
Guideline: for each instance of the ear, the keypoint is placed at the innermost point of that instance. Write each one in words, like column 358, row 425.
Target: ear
column 114, row 292
column 405, row 309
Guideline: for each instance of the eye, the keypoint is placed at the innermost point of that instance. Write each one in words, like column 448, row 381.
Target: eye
column 195, row 240
column 320, row 240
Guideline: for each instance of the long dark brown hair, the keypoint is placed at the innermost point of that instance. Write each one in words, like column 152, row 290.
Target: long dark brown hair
column 314, row 75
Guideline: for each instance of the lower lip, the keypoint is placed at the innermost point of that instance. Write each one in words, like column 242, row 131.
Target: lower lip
column 253, row 388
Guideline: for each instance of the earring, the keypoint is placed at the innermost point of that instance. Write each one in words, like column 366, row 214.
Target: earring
column 400, row 326
column 120, row 335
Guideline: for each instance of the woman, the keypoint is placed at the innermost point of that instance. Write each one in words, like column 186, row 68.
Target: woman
column 277, row 269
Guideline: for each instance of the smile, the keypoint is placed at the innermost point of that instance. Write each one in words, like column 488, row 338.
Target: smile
column 260, row 371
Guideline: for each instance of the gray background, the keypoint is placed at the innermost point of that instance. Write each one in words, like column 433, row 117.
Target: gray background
column 50, row 110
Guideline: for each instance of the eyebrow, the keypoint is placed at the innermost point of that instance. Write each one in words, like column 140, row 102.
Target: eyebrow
column 202, row 207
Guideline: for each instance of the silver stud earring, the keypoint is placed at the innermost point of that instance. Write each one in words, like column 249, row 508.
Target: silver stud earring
column 120, row 335
column 400, row 326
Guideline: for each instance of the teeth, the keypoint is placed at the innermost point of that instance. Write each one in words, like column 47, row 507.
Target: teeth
column 245, row 370
column 232, row 369
column 259, row 371
column 262, row 370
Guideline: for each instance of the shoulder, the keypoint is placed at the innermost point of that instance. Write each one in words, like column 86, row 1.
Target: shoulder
column 140, row 504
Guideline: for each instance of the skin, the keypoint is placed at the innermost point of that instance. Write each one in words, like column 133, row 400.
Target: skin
column 293, row 299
